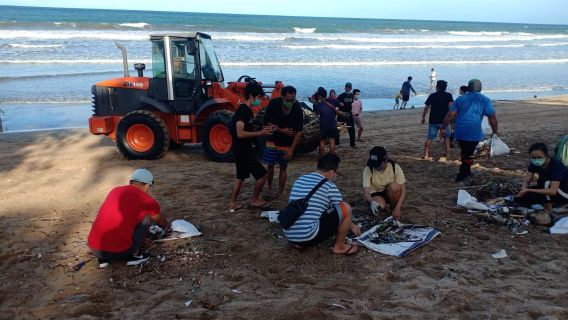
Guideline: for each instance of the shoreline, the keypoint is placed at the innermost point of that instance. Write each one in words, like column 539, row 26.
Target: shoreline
column 75, row 116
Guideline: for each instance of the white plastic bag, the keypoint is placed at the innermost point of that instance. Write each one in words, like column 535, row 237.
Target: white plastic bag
column 485, row 126
column 498, row 147
column 560, row 227
column 185, row 228
column 468, row 201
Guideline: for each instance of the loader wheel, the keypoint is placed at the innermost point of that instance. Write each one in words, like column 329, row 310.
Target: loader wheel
column 142, row 135
column 216, row 136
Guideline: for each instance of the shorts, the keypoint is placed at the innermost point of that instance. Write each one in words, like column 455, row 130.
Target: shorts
column 248, row 165
column 328, row 224
column 272, row 155
column 383, row 194
column 328, row 134
column 406, row 96
column 433, row 131
column 358, row 122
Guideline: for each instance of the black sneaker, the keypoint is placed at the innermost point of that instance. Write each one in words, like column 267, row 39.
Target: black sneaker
column 462, row 176
column 103, row 263
column 134, row 260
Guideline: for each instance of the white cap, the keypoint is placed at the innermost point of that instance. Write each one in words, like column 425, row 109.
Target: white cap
column 142, row 175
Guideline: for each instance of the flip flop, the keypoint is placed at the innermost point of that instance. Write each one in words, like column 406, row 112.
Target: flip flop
column 348, row 252
column 262, row 206
column 238, row 207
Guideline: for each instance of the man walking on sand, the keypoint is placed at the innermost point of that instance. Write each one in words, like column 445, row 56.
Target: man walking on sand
column 326, row 213
column 468, row 111
column 245, row 158
column 285, row 115
column 345, row 107
column 439, row 104
column 123, row 221
column 406, row 88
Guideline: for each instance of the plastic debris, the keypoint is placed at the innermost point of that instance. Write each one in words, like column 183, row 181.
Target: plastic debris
column 499, row 254
column 188, row 302
column 468, row 201
column 271, row 215
column 560, row 227
column 339, row 306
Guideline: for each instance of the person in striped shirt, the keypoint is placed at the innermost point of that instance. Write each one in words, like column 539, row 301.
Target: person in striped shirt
column 326, row 214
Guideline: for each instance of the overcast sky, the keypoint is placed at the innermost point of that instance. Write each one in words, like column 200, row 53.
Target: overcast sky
column 520, row 11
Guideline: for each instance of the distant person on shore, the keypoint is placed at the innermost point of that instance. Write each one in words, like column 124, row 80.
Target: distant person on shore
column 406, row 88
column 383, row 183
column 357, row 110
column 326, row 214
column 438, row 103
column 433, row 77
column 243, row 134
column 397, row 98
column 462, row 91
column 285, row 115
column 123, row 221
column 552, row 183
column 468, row 111
column 328, row 121
column 345, row 107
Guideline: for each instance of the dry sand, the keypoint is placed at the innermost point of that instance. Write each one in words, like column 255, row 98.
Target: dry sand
column 53, row 183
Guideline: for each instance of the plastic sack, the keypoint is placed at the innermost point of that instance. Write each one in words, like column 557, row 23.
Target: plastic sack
column 185, row 228
column 498, row 147
column 468, row 201
column 560, row 227
column 485, row 126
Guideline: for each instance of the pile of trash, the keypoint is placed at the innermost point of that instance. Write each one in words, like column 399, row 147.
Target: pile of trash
column 503, row 211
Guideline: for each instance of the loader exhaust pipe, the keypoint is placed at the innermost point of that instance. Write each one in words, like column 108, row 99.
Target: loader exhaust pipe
column 124, row 58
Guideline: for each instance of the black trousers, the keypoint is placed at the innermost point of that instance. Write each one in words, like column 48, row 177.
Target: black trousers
column 467, row 150
column 140, row 233
column 350, row 122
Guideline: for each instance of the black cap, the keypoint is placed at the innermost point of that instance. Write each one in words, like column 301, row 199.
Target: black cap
column 377, row 156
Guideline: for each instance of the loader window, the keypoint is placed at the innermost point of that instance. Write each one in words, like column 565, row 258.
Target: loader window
column 158, row 62
column 184, row 69
column 210, row 68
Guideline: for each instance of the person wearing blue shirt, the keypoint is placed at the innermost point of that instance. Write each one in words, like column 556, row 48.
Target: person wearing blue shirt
column 468, row 111
column 326, row 214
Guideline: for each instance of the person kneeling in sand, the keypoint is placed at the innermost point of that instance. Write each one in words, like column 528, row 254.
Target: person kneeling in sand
column 383, row 183
column 124, row 220
column 552, row 182
column 326, row 214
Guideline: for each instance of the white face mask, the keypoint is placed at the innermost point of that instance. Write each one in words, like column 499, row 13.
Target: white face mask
column 357, row 96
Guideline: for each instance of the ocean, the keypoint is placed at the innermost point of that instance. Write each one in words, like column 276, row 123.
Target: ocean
column 49, row 58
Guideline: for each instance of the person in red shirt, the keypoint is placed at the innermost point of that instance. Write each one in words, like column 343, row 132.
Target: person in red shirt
column 123, row 221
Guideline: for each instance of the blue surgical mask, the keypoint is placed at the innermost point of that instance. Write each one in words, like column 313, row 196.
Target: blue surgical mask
column 538, row 162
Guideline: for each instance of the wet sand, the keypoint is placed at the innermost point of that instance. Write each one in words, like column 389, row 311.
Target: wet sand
column 53, row 183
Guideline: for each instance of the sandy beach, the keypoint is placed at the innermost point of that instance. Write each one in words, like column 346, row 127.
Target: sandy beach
column 53, row 183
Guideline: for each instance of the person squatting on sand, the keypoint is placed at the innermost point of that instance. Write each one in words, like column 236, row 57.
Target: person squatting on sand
column 243, row 133
column 326, row 214
column 328, row 123
column 285, row 115
column 123, row 221
column 439, row 104
column 406, row 88
column 383, row 183
column 345, row 107
column 552, row 182
column 468, row 111
column 357, row 109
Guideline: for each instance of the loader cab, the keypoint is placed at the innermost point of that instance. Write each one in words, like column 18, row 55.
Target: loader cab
column 183, row 65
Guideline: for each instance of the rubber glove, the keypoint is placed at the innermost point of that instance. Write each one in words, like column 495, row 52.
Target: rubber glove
column 375, row 208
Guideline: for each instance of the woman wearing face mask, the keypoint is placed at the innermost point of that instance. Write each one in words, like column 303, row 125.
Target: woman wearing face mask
column 552, row 182
column 356, row 110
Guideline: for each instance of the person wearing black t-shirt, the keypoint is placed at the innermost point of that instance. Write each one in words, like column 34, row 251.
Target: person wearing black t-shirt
column 439, row 104
column 243, row 133
column 552, row 183
column 345, row 104
column 286, row 116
